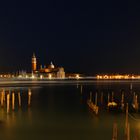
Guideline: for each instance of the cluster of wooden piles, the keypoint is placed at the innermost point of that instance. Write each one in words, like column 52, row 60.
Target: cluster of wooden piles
column 8, row 98
column 93, row 105
column 126, row 129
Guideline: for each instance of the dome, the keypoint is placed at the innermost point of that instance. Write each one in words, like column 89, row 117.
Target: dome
column 51, row 66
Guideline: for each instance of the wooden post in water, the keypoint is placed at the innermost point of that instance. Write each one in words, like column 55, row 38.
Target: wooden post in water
column 96, row 99
column 90, row 98
column 108, row 98
column 115, row 132
column 77, row 86
column 108, row 101
column 8, row 102
column 131, row 86
column 134, row 97
column 136, row 103
column 96, row 106
column 122, row 101
column 81, row 89
column 2, row 98
column 102, row 98
column 13, row 101
column 19, row 99
column 112, row 96
column 29, row 97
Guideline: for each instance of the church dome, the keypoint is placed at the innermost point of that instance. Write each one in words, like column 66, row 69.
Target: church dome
column 51, row 66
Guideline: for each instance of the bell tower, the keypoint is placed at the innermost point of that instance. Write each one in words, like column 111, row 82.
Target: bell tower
column 34, row 63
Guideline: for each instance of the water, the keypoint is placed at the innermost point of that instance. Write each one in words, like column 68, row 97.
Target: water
column 60, row 111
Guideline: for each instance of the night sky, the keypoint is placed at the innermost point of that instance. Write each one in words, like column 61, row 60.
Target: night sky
column 89, row 37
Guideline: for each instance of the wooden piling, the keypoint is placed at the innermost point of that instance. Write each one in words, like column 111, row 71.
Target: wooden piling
column 96, row 99
column 136, row 103
column 90, row 97
column 108, row 98
column 81, row 89
column 112, row 96
column 29, row 97
column 77, row 86
column 122, row 101
column 2, row 98
column 19, row 99
column 8, row 102
column 102, row 98
column 108, row 101
column 13, row 101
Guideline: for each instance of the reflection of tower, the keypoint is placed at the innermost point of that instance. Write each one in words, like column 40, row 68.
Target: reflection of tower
column 34, row 63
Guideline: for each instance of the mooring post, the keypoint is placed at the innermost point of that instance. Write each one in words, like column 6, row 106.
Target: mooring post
column 8, row 102
column 29, row 97
column 19, row 99
column 13, row 101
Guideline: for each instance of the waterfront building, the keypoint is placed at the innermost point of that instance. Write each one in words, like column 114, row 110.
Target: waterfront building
column 46, row 71
column 61, row 73
column 50, row 71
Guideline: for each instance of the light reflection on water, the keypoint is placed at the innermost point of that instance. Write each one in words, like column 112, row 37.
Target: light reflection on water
column 60, row 112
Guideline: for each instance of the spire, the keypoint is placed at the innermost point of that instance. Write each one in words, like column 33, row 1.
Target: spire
column 34, row 55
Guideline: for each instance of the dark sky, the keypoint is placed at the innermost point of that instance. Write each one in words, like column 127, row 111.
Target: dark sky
column 83, row 36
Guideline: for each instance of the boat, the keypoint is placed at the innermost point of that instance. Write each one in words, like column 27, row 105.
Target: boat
column 111, row 104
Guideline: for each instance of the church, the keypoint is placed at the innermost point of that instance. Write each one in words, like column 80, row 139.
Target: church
column 49, row 71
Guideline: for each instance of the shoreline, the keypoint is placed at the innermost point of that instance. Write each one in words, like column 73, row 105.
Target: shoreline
column 11, row 81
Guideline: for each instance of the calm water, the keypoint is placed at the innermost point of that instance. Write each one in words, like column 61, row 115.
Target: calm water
column 60, row 112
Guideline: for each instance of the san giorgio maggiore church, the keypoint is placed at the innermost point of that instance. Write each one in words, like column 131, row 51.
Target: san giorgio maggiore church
column 49, row 71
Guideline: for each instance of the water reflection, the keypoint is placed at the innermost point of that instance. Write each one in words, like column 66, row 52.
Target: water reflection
column 13, row 104
column 61, row 112
column 114, row 100
column 118, row 102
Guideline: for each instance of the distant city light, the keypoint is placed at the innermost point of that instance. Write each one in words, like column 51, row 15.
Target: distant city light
column 41, row 76
column 77, row 76
column 33, row 77
column 50, row 76
column 126, row 76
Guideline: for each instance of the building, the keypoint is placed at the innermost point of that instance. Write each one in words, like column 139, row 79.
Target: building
column 45, row 71
column 34, row 63
column 61, row 73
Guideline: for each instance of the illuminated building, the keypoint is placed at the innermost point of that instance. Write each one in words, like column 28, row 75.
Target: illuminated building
column 34, row 63
column 49, row 71
column 44, row 71
column 61, row 73
column 118, row 76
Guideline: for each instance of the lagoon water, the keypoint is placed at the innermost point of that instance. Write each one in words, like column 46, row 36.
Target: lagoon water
column 60, row 112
